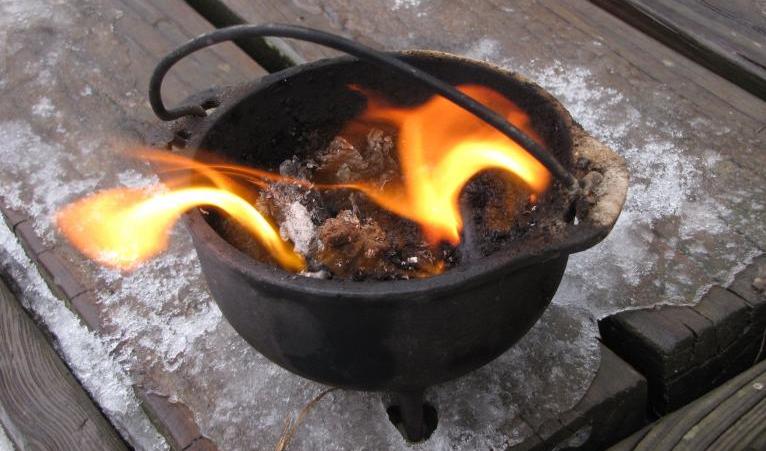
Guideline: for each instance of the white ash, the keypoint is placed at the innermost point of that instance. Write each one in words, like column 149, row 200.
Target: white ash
column 87, row 355
column 298, row 227
column 321, row 274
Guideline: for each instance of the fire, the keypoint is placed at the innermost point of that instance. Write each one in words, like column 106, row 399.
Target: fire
column 441, row 147
column 124, row 227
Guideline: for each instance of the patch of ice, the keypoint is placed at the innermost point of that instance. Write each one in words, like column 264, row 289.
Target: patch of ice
column 406, row 4
column 16, row 15
column 5, row 442
column 43, row 108
column 131, row 178
column 86, row 354
column 44, row 165
column 485, row 49
column 156, row 311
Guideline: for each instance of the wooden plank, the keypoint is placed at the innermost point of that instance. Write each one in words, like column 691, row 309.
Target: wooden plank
column 730, row 417
column 88, row 64
column 743, row 431
column 613, row 407
column 42, row 405
column 126, row 53
column 686, row 351
column 460, row 22
column 726, row 36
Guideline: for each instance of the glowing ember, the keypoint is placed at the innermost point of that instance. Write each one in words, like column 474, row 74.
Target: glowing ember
column 441, row 148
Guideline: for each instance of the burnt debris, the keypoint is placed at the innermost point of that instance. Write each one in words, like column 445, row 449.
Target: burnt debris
column 345, row 235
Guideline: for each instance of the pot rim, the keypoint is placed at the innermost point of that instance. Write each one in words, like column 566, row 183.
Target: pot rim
column 461, row 277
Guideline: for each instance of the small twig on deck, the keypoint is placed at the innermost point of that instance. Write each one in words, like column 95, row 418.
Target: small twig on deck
column 291, row 425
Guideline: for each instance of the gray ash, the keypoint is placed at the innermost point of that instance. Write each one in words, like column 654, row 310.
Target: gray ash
column 343, row 234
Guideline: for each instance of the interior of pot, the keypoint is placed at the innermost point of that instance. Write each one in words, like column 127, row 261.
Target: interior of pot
column 300, row 112
column 305, row 111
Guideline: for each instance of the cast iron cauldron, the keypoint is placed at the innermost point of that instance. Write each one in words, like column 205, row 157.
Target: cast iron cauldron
column 395, row 336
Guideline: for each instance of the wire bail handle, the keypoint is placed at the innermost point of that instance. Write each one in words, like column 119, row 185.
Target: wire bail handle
column 354, row 49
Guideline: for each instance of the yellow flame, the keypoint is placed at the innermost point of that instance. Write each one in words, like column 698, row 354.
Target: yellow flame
column 441, row 147
column 124, row 227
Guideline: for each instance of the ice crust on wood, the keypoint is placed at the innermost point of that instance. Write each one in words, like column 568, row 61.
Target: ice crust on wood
column 165, row 331
column 87, row 355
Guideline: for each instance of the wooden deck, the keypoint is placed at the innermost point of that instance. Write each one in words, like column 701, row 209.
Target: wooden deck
column 726, row 36
column 42, row 406
column 671, row 74
column 732, row 417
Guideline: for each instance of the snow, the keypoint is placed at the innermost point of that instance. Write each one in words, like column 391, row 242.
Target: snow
column 43, row 108
column 5, row 442
column 163, row 330
column 406, row 4
column 87, row 355
column 43, row 164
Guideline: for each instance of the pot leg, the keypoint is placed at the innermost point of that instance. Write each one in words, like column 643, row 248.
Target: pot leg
column 411, row 408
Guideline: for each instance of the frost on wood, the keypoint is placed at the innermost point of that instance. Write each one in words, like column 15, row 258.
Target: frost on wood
column 164, row 331
column 5, row 442
column 87, row 355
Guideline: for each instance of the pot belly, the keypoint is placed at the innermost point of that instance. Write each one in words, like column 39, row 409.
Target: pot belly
column 396, row 344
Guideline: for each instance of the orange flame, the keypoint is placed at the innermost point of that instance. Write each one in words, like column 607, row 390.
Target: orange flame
column 441, row 147
column 124, row 227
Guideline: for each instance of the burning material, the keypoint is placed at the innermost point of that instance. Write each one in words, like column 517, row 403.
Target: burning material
column 385, row 199
column 124, row 227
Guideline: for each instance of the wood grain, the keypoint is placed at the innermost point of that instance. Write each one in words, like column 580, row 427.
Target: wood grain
column 559, row 27
column 42, row 406
column 732, row 417
column 726, row 36
column 105, row 51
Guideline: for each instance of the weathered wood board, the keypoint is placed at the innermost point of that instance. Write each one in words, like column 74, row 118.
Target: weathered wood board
column 614, row 406
column 732, row 417
column 685, row 352
column 726, row 36
column 42, row 406
column 73, row 80
column 692, row 140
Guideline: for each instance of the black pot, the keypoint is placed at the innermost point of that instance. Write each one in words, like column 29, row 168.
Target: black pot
column 396, row 336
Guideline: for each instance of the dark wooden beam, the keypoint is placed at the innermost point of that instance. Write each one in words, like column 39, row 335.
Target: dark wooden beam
column 721, row 36
column 270, row 53
column 731, row 417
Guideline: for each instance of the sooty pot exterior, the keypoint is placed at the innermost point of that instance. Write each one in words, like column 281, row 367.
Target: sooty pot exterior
column 378, row 339
column 376, row 335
